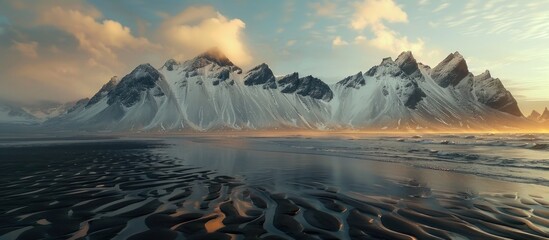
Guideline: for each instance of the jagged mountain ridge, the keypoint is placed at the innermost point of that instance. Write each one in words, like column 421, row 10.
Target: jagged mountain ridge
column 209, row 92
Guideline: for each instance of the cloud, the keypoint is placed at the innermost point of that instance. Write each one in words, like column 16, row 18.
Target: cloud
column 503, row 18
column 360, row 39
column 441, row 7
column 423, row 2
column 27, row 49
column 371, row 13
column 326, row 9
column 391, row 41
column 99, row 38
column 65, row 53
column 198, row 28
column 339, row 42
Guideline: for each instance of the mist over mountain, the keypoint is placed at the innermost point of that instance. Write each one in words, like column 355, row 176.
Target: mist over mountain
column 209, row 92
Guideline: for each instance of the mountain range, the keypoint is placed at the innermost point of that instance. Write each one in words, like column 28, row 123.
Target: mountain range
column 539, row 117
column 209, row 92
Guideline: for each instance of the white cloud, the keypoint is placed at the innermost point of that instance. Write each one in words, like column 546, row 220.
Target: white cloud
column 360, row 39
column 441, row 7
column 339, row 42
column 506, row 18
column 423, row 2
column 391, row 41
column 371, row 14
column 27, row 49
column 199, row 28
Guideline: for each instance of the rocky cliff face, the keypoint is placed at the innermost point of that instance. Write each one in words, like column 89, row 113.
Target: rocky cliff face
column 131, row 88
column 491, row 92
column 260, row 75
column 450, row 71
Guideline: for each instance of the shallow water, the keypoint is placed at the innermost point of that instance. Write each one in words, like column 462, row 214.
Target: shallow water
column 223, row 187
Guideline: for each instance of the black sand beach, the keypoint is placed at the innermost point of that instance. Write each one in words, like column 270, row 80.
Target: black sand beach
column 229, row 187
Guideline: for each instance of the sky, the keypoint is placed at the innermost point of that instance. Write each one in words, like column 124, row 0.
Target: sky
column 66, row 50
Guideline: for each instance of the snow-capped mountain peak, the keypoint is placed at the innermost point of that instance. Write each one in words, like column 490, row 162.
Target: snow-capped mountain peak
column 105, row 89
column 450, row 71
column 171, row 64
column 214, row 58
column 217, row 56
column 483, row 76
column 260, row 75
column 308, row 86
column 409, row 65
column 129, row 90
column 491, row 92
column 210, row 92
column 353, row 81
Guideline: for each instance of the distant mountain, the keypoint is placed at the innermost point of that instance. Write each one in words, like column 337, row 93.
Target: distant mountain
column 209, row 92
column 545, row 115
column 11, row 113
column 44, row 110
column 536, row 116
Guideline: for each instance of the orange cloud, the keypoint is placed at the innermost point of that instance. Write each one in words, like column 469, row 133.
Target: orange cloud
column 101, row 39
column 199, row 28
column 371, row 13
column 27, row 49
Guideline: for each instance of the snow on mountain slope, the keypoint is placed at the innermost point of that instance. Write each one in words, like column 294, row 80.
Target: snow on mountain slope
column 209, row 92
column 129, row 104
column 211, row 95
column 308, row 86
column 403, row 94
column 13, row 114
column 450, row 71
column 491, row 92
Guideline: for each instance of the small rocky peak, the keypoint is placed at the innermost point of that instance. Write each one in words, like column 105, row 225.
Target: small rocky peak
column 171, row 64
column 535, row 115
column 545, row 114
column 260, row 75
column 288, row 78
column 354, row 81
column 217, row 56
column 483, row 76
column 450, row 71
column 407, row 63
column 386, row 61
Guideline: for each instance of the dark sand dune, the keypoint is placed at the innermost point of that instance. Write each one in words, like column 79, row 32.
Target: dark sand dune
column 131, row 190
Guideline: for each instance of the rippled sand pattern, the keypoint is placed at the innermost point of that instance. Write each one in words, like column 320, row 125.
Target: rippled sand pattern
column 121, row 189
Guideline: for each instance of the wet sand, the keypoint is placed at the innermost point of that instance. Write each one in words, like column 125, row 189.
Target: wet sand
column 249, row 188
